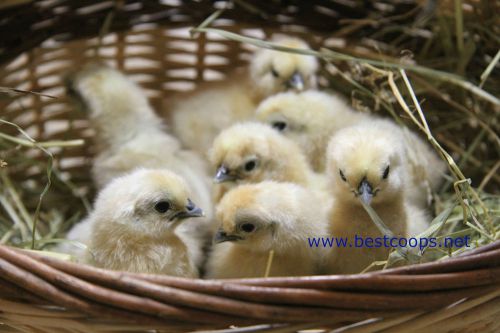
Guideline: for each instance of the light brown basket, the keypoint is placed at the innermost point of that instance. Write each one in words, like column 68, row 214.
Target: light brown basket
column 149, row 40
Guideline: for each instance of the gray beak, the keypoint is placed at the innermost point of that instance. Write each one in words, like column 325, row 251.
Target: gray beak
column 191, row 211
column 296, row 82
column 223, row 175
column 365, row 191
column 222, row 236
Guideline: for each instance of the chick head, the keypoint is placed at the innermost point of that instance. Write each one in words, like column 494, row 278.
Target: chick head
column 299, row 116
column 147, row 201
column 274, row 71
column 261, row 216
column 364, row 162
column 254, row 152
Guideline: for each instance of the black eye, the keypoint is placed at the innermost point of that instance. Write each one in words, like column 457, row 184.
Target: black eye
column 275, row 73
column 250, row 165
column 162, row 206
column 279, row 125
column 342, row 175
column 247, row 227
column 386, row 173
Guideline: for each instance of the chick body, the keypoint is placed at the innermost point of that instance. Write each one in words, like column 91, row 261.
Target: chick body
column 258, row 218
column 252, row 152
column 197, row 117
column 133, row 226
column 365, row 163
column 130, row 135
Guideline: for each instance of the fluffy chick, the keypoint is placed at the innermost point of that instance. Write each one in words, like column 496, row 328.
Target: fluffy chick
column 258, row 218
column 365, row 163
column 133, row 226
column 129, row 134
column 253, row 152
column 197, row 117
column 308, row 118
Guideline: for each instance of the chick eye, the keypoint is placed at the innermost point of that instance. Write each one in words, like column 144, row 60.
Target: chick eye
column 247, row 227
column 342, row 175
column 162, row 206
column 250, row 165
column 386, row 173
column 275, row 73
column 279, row 125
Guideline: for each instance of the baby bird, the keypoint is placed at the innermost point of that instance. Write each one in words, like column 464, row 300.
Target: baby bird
column 130, row 135
column 253, row 152
column 269, row 216
column 365, row 163
column 133, row 226
column 308, row 118
column 197, row 117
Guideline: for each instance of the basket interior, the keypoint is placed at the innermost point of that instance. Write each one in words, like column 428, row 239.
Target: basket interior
column 151, row 42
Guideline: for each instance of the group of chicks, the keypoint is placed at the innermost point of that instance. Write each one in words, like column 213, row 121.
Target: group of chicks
column 253, row 167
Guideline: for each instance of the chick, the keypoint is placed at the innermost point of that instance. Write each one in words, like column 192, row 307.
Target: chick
column 197, row 117
column 133, row 225
column 258, row 218
column 365, row 163
column 252, row 152
column 308, row 118
column 129, row 135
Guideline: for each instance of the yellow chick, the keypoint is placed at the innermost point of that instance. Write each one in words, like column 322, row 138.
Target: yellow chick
column 253, row 152
column 130, row 135
column 133, row 225
column 197, row 117
column 308, row 118
column 365, row 163
column 259, row 218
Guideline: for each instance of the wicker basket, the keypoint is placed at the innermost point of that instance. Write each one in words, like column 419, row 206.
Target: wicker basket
column 150, row 41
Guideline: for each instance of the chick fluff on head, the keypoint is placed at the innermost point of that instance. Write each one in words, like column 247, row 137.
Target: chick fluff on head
column 252, row 152
column 365, row 162
column 133, row 226
column 257, row 218
column 128, row 135
column 308, row 118
column 197, row 117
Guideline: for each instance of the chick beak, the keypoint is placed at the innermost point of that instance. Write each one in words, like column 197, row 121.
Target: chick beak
column 222, row 236
column 191, row 210
column 365, row 190
column 223, row 175
column 296, row 82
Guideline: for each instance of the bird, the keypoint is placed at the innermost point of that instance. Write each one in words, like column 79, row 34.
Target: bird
column 309, row 118
column 198, row 116
column 256, row 219
column 129, row 135
column 365, row 164
column 133, row 226
column 252, row 152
